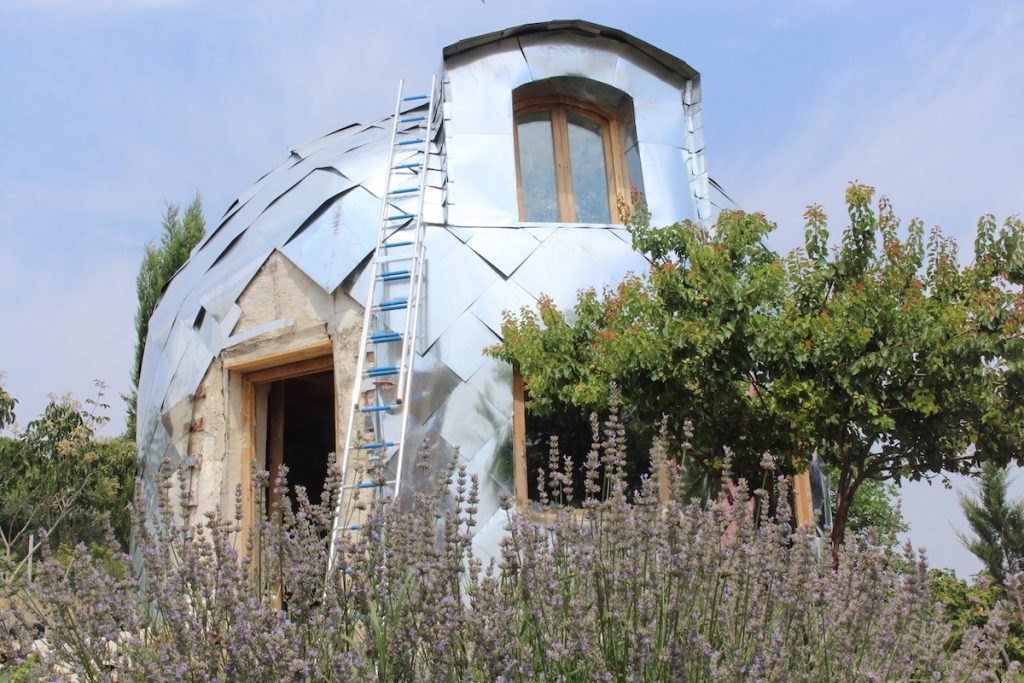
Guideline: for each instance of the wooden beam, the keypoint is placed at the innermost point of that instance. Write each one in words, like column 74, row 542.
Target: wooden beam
column 519, row 473
column 299, row 368
column 275, row 440
column 248, row 463
column 803, row 505
column 252, row 363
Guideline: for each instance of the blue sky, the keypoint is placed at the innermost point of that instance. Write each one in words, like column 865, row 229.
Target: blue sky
column 110, row 108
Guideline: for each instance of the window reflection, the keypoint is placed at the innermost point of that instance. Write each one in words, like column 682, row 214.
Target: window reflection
column 589, row 179
column 537, row 167
column 576, row 151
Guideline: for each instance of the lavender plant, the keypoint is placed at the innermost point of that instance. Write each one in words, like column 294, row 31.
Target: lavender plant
column 636, row 586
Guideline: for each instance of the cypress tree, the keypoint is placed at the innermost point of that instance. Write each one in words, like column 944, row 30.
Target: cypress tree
column 180, row 233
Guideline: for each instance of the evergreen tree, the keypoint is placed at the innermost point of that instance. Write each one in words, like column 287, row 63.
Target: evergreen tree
column 997, row 523
column 180, row 233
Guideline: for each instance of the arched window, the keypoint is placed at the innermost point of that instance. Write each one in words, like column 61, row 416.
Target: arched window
column 576, row 151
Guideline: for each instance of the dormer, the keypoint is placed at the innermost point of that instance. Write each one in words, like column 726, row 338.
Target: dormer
column 558, row 122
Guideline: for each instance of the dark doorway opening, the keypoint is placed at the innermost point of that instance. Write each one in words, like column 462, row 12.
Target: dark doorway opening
column 301, row 432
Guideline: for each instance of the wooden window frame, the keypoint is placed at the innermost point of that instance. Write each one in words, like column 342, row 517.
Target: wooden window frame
column 616, row 170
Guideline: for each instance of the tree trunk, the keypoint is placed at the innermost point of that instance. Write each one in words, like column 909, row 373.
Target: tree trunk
column 845, row 492
column 839, row 519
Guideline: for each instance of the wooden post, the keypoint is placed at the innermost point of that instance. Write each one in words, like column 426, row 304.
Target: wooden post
column 519, row 474
column 803, row 506
column 275, row 440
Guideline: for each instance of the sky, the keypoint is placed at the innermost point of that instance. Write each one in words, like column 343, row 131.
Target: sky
column 110, row 109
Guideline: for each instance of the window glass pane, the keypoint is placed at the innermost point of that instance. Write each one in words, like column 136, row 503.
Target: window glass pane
column 537, row 167
column 589, row 182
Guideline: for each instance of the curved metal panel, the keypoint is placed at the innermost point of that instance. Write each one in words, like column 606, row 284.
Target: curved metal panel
column 667, row 184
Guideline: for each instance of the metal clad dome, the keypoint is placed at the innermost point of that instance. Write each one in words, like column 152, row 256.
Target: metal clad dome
column 319, row 211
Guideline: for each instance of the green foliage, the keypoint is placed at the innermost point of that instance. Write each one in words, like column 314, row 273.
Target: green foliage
column 997, row 523
column 882, row 353
column 180, row 233
column 7, row 403
column 875, row 509
column 58, row 477
column 968, row 606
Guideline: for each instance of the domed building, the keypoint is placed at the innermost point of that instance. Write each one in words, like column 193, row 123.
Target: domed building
column 533, row 134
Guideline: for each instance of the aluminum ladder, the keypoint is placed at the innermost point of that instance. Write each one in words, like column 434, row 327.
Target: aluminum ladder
column 390, row 318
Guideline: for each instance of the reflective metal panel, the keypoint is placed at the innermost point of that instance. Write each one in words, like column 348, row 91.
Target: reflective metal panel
column 193, row 366
column 455, row 277
column 494, row 382
column 570, row 55
column 503, row 295
column 481, row 86
column 468, row 420
column 492, row 465
column 364, row 163
column 504, row 248
column 667, row 182
column 488, row 196
column 279, row 222
column 225, row 281
column 261, row 184
column 313, row 146
column 432, row 383
column 656, row 101
column 462, row 344
column 581, row 258
column 330, row 248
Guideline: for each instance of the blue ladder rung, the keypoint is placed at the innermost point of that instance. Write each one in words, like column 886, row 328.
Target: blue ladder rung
column 410, row 119
column 410, row 142
column 396, row 244
column 395, row 305
column 405, row 190
column 400, row 217
column 410, row 98
column 379, row 409
column 395, row 278
column 364, row 485
column 409, row 165
column 382, row 371
column 376, row 444
column 384, row 337
column 352, row 527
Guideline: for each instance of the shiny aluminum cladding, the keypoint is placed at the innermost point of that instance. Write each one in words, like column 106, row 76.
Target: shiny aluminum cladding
column 319, row 209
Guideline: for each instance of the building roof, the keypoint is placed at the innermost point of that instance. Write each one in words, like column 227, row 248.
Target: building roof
column 578, row 26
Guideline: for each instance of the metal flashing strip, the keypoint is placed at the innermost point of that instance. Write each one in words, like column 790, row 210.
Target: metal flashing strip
column 273, row 325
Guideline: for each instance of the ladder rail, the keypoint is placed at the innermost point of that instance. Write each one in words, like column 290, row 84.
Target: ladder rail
column 357, row 384
column 381, row 300
column 415, row 294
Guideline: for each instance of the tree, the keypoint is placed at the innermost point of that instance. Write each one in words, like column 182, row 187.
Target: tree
column 58, row 477
column 881, row 352
column 997, row 523
column 875, row 509
column 180, row 234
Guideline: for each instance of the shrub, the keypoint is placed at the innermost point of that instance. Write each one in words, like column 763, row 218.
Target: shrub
column 625, row 589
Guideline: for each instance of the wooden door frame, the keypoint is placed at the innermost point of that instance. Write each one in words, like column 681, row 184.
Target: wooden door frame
column 252, row 373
